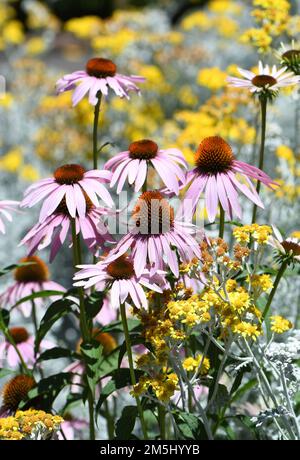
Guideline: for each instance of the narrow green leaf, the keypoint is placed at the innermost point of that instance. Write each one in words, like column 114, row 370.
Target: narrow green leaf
column 189, row 425
column 56, row 353
column 57, row 310
column 92, row 354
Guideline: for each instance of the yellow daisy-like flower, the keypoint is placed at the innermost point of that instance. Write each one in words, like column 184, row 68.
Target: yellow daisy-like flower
column 192, row 364
column 247, row 330
column 280, row 324
column 212, row 78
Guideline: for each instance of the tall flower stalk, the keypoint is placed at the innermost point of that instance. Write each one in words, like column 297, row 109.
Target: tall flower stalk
column 263, row 108
column 95, row 131
column 85, row 332
column 131, row 368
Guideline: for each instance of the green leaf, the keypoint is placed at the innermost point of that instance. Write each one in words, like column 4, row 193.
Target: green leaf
column 246, row 387
column 120, row 378
column 116, row 326
column 4, row 319
column 10, row 268
column 56, row 353
column 189, row 425
column 57, row 310
column 93, row 304
column 5, row 372
column 221, row 399
column 126, row 422
column 40, row 294
column 44, row 394
column 135, row 340
column 92, row 354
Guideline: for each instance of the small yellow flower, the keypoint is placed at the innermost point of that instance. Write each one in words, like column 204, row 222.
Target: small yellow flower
column 280, row 324
column 247, row 330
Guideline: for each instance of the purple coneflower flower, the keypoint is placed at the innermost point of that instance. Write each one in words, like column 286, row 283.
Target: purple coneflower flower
column 100, row 75
column 5, row 206
column 73, row 184
column 29, row 279
column 25, row 345
column 155, row 236
column 57, row 227
column 288, row 250
column 120, row 276
column 221, row 177
column 267, row 79
column 133, row 164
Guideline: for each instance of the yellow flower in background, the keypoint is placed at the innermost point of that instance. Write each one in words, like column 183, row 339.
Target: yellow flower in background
column 85, row 27
column 114, row 43
column 224, row 6
column 280, row 324
column 285, row 152
column 226, row 26
column 196, row 20
column 35, row 45
column 212, row 78
column 258, row 38
column 155, row 80
column 12, row 33
column 296, row 234
column 6, row 100
column 29, row 173
column 12, row 160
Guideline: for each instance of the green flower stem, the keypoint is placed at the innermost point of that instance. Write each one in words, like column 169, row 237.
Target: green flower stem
column 131, row 368
column 95, row 132
column 85, row 332
column 275, row 286
column 263, row 106
column 10, row 339
column 219, row 374
column 162, row 422
column 222, row 222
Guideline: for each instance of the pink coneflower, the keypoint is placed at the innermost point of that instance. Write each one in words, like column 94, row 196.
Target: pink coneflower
column 267, row 80
column 106, row 315
column 5, row 206
column 71, row 428
column 57, row 227
column 29, row 279
column 119, row 275
column 287, row 250
column 155, row 236
column 73, row 184
column 220, row 176
column 25, row 345
column 133, row 165
column 100, row 75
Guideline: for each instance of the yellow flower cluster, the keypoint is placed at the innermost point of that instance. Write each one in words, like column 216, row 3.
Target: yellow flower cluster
column 199, row 363
column 280, row 324
column 261, row 282
column 259, row 233
column 190, row 311
column 273, row 19
column 23, row 424
column 247, row 330
column 86, row 27
column 163, row 386
column 218, row 116
column 212, row 78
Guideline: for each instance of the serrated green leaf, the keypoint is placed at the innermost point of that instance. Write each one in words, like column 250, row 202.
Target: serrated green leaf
column 189, row 425
column 92, row 354
column 56, row 353
column 126, row 422
column 116, row 326
column 46, row 391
